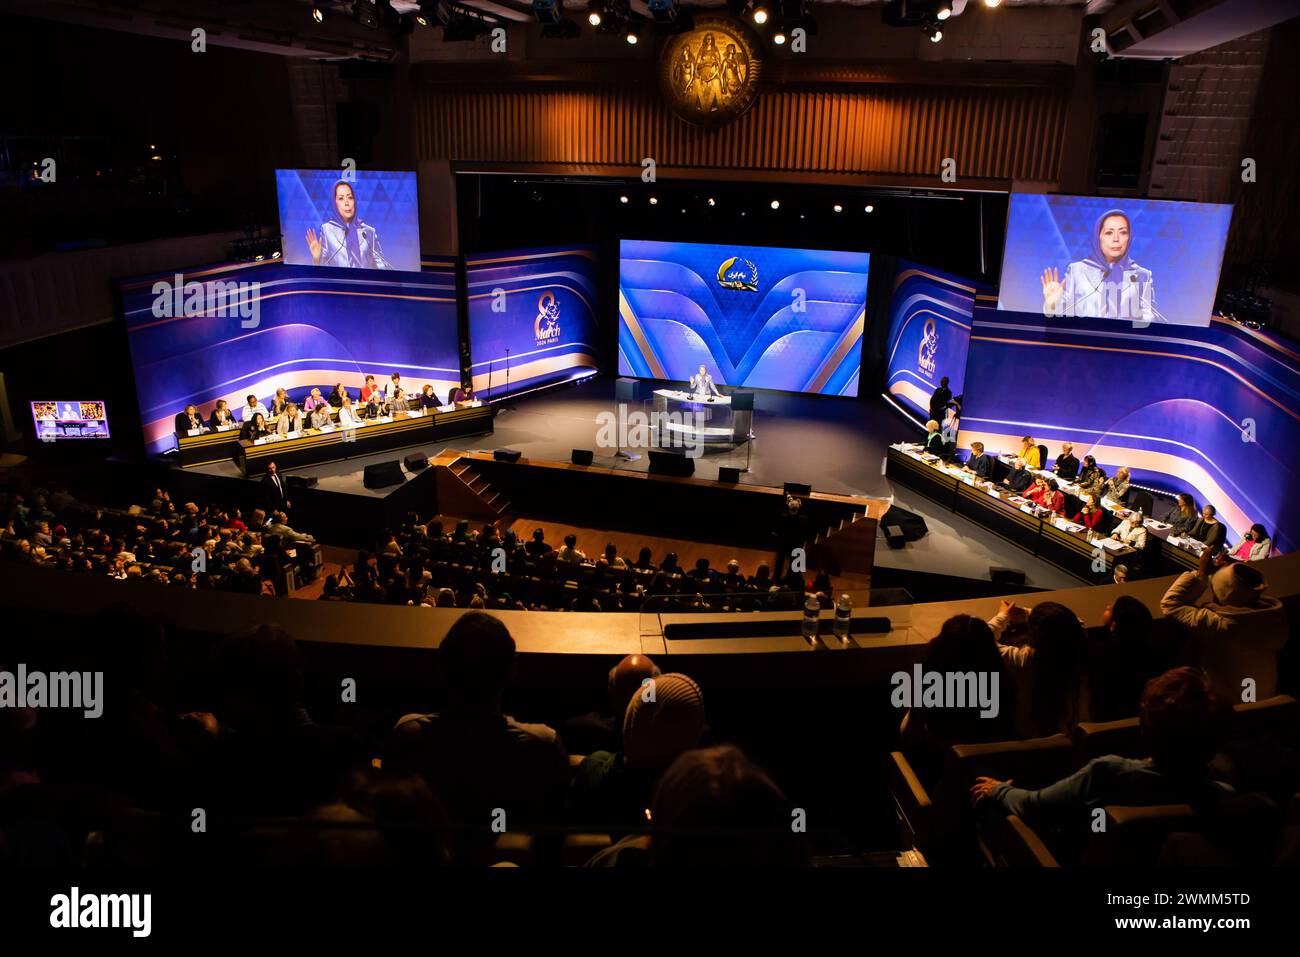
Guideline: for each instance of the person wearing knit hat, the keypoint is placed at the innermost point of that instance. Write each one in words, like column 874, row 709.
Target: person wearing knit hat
column 664, row 719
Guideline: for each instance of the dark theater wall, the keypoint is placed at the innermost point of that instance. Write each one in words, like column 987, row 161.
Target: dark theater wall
column 841, row 122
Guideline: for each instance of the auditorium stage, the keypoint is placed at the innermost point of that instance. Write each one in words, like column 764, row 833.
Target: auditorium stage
column 834, row 445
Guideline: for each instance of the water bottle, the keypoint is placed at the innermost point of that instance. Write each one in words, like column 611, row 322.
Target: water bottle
column 843, row 617
column 812, row 613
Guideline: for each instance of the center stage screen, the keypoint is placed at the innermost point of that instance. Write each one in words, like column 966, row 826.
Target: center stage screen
column 369, row 220
column 227, row 331
column 1097, row 257
column 754, row 316
column 532, row 318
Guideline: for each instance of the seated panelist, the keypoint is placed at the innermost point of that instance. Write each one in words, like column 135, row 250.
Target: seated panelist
column 702, row 383
column 252, row 406
column 319, row 417
column 1089, row 514
column 221, row 415
column 427, row 398
column 290, row 421
column 347, row 414
column 371, row 395
column 188, row 420
column 314, row 401
column 1067, row 466
column 254, row 428
column 336, row 396
column 394, row 393
column 934, row 439
column 280, row 402
column 1019, row 478
column 980, row 462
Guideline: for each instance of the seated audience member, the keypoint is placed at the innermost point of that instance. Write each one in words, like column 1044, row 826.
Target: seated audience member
column 1048, row 673
column 594, row 731
column 1067, row 466
column 1019, row 478
column 934, row 443
column 1089, row 514
column 1236, row 631
column 221, row 415
column 980, row 462
column 1120, row 574
column 1092, row 477
column 964, row 645
column 280, row 401
column 314, row 401
column 537, row 546
column 612, row 556
column 643, row 561
column 347, row 414
column 254, row 429
column 663, row 720
column 1132, row 531
column 732, row 579
column 290, row 420
column 319, row 417
column 427, row 398
column 1180, row 720
column 715, row 808
column 1182, row 517
column 761, row 580
column 1031, row 453
column 279, row 525
column 336, row 395
column 252, row 406
column 1123, row 659
column 264, row 734
column 474, row 757
column 1116, row 487
column 569, row 551
column 188, row 420
column 1255, row 545
column 1209, row 529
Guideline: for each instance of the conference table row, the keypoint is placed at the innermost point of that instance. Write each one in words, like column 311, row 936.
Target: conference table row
column 1054, row 539
column 332, row 443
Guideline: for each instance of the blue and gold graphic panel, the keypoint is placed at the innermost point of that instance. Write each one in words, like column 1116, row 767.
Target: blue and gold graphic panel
column 226, row 331
column 929, row 332
column 1213, row 411
column 754, row 316
column 532, row 318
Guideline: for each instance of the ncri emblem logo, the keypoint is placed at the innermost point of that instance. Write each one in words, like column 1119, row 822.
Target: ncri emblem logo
column 546, row 327
column 929, row 347
column 737, row 273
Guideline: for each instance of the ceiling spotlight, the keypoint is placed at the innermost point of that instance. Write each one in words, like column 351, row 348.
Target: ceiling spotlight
column 711, row 201
column 759, row 13
column 595, row 12
column 934, row 33
column 318, row 14
column 779, row 37
column 838, row 208
column 631, row 36
column 944, row 11
column 776, row 204
column 869, row 208
column 622, row 199
column 653, row 201
column 992, row 3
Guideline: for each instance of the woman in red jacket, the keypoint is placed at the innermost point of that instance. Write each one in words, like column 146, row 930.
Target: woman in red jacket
column 1089, row 515
column 1053, row 499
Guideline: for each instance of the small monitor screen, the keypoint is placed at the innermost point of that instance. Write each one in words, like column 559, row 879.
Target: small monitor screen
column 59, row 419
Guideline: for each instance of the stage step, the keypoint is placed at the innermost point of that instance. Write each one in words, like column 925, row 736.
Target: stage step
column 468, row 493
column 847, row 549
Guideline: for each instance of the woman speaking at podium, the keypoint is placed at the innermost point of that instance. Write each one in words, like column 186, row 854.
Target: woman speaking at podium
column 702, row 384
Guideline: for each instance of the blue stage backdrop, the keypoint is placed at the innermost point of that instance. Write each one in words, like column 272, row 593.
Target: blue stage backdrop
column 317, row 206
column 532, row 318
column 1213, row 411
column 224, row 331
column 929, row 331
column 1137, row 260
column 755, row 316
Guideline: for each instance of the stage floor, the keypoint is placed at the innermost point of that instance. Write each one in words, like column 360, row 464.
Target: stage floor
column 834, row 445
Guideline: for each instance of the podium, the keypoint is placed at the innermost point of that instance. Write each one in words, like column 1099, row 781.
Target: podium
column 720, row 420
